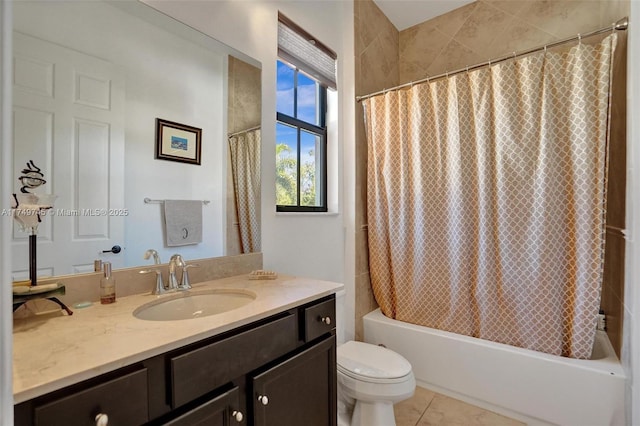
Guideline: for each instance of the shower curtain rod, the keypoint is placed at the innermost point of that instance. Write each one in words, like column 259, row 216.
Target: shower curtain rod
column 243, row 131
column 621, row 25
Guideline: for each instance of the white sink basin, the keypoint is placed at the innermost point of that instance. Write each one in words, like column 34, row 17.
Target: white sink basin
column 190, row 304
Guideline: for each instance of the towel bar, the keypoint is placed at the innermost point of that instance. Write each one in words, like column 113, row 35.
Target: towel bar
column 150, row 201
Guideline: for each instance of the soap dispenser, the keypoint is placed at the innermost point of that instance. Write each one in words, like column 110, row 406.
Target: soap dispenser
column 107, row 285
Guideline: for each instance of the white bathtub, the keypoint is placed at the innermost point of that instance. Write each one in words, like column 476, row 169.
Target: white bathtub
column 531, row 386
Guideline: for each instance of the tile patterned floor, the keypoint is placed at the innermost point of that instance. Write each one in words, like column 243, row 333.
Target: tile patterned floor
column 430, row 408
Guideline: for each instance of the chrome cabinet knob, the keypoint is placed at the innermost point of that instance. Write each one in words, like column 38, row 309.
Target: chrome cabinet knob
column 237, row 416
column 263, row 399
column 102, row 420
column 326, row 320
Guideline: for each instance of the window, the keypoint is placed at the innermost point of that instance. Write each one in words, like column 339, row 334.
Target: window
column 305, row 70
column 300, row 142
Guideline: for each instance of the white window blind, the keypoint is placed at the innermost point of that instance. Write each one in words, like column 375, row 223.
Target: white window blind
column 303, row 51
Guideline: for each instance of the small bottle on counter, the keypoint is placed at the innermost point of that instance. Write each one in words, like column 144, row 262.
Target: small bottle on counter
column 107, row 285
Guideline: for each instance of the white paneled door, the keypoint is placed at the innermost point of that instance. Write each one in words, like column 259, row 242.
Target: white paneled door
column 69, row 120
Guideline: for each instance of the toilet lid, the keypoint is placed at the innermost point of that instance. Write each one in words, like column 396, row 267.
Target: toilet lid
column 375, row 362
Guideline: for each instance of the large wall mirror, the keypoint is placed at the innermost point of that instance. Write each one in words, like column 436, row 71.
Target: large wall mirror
column 91, row 80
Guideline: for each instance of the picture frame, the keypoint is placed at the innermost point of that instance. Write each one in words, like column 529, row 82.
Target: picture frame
column 178, row 142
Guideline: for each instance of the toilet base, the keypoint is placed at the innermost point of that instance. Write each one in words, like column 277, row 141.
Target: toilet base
column 379, row 413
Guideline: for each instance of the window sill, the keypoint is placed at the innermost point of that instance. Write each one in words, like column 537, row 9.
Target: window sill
column 307, row 214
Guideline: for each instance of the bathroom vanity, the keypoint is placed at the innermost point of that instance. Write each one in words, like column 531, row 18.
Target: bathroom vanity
column 274, row 364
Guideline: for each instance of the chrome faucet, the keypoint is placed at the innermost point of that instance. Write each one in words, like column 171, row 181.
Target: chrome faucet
column 176, row 261
column 185, row 284
column 152, row 252
column 159, row 288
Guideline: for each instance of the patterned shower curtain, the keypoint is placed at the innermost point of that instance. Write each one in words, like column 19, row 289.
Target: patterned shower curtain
column 486, row 199
column 245, row 168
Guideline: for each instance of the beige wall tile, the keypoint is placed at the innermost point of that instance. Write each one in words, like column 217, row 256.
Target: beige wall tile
column 482, row 27
column 419, row 47
column 376, row 68
column 510, row 6
column 495, row 28
column 518, row 36
column 450, row 23
column 562, row 18
column 613, row 10
column 453, row 56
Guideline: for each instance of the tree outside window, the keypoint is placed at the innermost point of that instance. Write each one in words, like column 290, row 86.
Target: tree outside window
column 300, row 141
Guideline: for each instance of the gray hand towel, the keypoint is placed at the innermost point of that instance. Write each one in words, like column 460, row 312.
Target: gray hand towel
column 183, row 222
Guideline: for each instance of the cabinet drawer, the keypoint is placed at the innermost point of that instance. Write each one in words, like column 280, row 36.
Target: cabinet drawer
column 202, row 370
column 123, row 399
column 319, row 319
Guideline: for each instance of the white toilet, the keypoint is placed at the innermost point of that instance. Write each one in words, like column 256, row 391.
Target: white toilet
column 370, row 380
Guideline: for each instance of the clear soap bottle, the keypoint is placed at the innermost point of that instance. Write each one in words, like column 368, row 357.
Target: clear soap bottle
column 107, row 285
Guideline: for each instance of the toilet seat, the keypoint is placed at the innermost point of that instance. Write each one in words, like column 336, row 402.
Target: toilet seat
column 372, row 364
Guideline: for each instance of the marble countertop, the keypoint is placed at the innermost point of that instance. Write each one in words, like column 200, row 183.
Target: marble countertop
column 50, row 353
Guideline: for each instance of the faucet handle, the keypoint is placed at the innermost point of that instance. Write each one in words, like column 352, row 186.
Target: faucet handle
column 185, row 284
column 159, row 288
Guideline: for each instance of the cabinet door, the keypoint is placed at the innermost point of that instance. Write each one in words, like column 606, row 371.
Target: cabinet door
column 298, row 391
column 220, row 411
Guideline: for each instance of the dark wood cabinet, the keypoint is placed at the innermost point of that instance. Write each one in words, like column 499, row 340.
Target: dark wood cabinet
column 124, row 399
column 223, row 410
column 298, row 391
column 288, row 359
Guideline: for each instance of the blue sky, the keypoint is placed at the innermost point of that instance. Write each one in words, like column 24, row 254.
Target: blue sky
column 306, row 108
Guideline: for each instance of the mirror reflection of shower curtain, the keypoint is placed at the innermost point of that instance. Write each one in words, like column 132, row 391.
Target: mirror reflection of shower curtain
column 245, row 167
column 486, row 199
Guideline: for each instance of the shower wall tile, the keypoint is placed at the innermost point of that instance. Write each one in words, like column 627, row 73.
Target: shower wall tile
column 562, row 18
column 612, row 297
column 479, row 30
column 518, row 34
column 613, row 284
column 376, row 68
column 488, row 29
column 612, row 10
column 450, row 23
column 512, row 7
column 616, row 188
column 366, row 304
column 415, row 52
column 454, row 56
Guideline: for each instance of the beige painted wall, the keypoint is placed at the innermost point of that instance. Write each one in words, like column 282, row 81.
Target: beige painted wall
column 472, row 34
